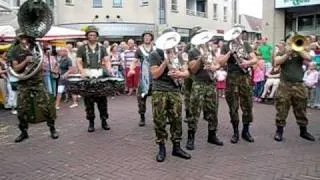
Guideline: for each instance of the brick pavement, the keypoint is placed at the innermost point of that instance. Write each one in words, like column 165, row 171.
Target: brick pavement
column 128, row 151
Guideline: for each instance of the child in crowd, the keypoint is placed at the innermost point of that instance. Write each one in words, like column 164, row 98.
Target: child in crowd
column 258, row 78
column 221, row 76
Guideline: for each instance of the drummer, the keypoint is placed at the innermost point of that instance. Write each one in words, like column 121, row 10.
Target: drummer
column 94, row 56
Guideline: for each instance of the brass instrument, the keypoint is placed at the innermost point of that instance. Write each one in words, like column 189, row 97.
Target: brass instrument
column 35, row 19
column 298, row 42
column 168, row 43
column 200, row 40
column 237, row 50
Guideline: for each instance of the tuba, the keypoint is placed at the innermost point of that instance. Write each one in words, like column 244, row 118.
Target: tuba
column 235, row 46
column 168, row 43
column 35, row 19
column 200, row 41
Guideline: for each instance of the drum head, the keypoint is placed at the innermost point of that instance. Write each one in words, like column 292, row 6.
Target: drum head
column 74, row 77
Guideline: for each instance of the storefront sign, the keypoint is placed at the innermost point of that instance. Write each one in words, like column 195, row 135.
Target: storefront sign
column 295, row 3
column 116, row 29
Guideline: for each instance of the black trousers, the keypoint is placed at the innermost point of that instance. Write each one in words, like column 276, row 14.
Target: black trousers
column 102, row 103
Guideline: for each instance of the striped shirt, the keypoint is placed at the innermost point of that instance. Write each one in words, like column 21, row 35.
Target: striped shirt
column 129, row 56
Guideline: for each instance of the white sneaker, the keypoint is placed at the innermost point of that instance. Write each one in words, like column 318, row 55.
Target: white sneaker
column 57, row 107
column 14, row 112
column 73, row 105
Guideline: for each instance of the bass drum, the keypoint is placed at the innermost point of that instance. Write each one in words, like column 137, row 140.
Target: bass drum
column 102, row 86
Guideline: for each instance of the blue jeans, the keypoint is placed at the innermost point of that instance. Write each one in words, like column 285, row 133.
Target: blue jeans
column 50, row 84
column 258, row 88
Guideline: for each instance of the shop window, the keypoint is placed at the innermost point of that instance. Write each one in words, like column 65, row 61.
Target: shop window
column 305, row 23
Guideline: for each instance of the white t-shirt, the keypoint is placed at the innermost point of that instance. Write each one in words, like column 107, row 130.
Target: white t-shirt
column 221, row 75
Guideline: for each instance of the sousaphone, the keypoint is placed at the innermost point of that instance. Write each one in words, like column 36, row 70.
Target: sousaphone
column 202, row 37
column 35, row 19
column 168, row 40
column 232, row 34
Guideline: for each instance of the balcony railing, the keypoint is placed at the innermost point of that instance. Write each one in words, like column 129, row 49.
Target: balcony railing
column 196, row 13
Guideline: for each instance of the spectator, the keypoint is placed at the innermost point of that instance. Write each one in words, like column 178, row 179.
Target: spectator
column 258, row 79
column 265, row 50
column 50, row 71
column 221, row 76
column 273, row 80
column 128, row 56
column 310, row 80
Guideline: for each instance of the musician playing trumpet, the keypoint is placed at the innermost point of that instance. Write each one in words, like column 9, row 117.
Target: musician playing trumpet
column 203, row 93
column 166, row 93
column 291, row 91
column 238, row 56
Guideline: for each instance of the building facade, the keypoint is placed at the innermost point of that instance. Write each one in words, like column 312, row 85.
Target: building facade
column 281, row 17
column 252, row 25
column 123, row 19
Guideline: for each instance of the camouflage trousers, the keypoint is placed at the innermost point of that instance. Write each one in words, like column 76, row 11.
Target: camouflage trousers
column 187, row 94
column 167, row 105
column 295, row 95
column 239, row 92
column 142, row 101
column 34, row 97
column 102, row 103
column 203, row 97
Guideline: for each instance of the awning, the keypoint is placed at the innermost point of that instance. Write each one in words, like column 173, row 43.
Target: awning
column 59, row 33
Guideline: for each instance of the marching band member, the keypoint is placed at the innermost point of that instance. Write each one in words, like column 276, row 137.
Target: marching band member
column 30, row 89
column 238, row 56
column 291, row 91
column 203, row 93
column 94, row 56
column 166, row 95
column 142, row 56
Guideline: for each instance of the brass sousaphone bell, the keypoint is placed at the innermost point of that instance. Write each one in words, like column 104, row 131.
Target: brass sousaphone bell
column 35, row 19
column 298, row 42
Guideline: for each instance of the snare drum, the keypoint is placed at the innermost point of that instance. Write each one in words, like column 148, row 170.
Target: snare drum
column 101, row 86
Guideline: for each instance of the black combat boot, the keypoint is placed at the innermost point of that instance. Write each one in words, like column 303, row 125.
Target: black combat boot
column 162, row 153
column 213, row 139
column 279, row 133
column 53, row 133
column 246, row 134
column 177, row 151
column 305, row 134
column 190, row 141
column 235, row 136
column 23, row 135
column 91, row 126
column 142, row 120
column 105, row 125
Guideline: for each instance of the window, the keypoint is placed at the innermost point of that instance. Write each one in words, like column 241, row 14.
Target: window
column 225, row 14
column 215, row 11
column 174, row 6
column 235, row 12
column 117, row 4
column 143, row 3
column 69, row 2
column 318, row 24
column 305, row 23
column 97, row 4
column 162, row 12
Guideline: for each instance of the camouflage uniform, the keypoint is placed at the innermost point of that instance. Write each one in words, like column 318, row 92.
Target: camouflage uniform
column 292, row 92
column 166, row 103
column 33, row 100
column 203, row 97
column 239, row 92
column 187, row 94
